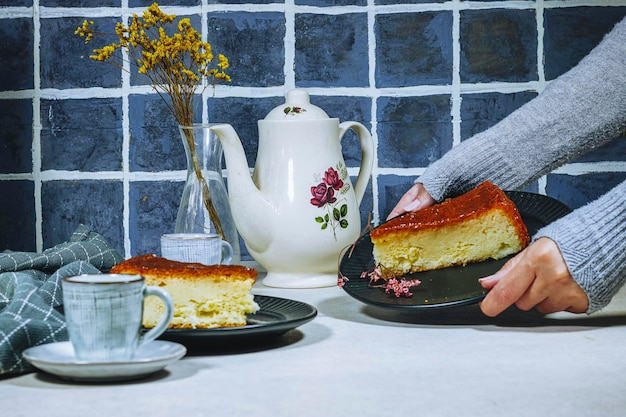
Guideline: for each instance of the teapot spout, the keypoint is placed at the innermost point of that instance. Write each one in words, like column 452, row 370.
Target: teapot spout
column 251, row 210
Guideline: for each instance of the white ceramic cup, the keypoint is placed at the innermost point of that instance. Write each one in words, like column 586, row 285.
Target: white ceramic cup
column 103, row 313
column 204, row 248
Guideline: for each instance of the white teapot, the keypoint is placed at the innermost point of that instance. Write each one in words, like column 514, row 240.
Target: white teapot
column 299, row 209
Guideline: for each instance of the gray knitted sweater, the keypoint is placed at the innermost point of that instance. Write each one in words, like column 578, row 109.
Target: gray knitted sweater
column 579, row 111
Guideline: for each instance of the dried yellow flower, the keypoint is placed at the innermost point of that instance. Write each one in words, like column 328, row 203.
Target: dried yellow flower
column 175, row 65
column 85, row 31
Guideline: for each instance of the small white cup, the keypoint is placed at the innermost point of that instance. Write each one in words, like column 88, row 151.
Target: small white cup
column 204, row 248
column 103, row 313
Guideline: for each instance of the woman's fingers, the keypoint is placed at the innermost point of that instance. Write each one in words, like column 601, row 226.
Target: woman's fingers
column 490, row 281
column 510, row 285
column 416, row 198
column 535, row 278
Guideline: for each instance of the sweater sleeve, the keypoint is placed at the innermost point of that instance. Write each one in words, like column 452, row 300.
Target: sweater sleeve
column 592, row 240
column 577, row 112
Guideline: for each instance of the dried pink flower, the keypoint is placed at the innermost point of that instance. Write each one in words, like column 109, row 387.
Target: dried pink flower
column 401, row 287
column 341, row 280
column 374, row 275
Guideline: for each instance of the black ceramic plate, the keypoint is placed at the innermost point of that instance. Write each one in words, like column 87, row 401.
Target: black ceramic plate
column 447, row 287
column 275, row 317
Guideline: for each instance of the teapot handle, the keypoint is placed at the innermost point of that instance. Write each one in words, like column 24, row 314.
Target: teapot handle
column 367, row 156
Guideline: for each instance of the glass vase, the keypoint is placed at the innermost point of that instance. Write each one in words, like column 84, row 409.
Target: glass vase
column 204, row 206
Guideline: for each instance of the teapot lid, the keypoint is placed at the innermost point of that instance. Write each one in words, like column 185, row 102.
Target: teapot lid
column 297, row 107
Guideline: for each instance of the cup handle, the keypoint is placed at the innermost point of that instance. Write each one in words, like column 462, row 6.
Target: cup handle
column 227, row 253
column 367, row 156
column 158, row 330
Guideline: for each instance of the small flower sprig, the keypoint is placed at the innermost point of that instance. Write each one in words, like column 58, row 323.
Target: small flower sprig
column 293, row 110
column 324, row 197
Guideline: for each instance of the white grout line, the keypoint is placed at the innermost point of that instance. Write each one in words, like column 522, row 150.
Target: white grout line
column 126, row 143
column 456, row 75
column 290, row 46
column 371, row 52
column 37, row 125
column 542, row 182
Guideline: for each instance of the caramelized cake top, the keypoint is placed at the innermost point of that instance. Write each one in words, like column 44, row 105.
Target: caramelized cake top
column 153, row 265
column 470, row 205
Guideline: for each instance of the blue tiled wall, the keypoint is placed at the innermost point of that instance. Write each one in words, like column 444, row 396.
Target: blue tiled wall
column 81, row 142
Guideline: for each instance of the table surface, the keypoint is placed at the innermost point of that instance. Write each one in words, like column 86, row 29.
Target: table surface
column 359, row 360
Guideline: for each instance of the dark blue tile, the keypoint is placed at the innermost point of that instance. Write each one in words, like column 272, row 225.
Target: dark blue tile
column 83, row 135
column 413, row 49
column 22, row 3
column 243, row 114
column 612, row 151
column 577, row 190
column 413, row 131
column 80, row 3
column 146, row 3
column 16, row 121
column 16, row 54
column 324, row 3
column 153, row 207
column 331, row 50
column 377, row 2
column 65, row 61
column 17, row 216
column 481, row 111
column 247, row 2
column 498, row 45
column 390, row 189
column 254, row 45
column 97, row 204
column 348, row 108
column 571, row 33
column 366, row 208
column 155, row 141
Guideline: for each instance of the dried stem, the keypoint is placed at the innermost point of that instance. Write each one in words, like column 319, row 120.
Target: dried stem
column 204, row 187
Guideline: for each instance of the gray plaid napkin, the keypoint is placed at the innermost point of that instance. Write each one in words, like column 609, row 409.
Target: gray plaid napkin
column 30, row 292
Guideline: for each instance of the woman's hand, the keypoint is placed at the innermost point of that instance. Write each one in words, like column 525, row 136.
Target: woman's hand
column 415, row 199
column 536, row 277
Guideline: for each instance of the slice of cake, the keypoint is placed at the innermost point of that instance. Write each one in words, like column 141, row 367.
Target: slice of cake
column 480, row 224
column 204, row 296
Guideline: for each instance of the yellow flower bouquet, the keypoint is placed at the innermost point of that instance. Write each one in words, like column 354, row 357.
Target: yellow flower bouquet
column 175, row 65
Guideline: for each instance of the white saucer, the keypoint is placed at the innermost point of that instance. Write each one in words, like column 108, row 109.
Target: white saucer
column 59, row 359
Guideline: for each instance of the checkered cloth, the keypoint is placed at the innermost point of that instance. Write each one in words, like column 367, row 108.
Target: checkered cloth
column 30, row 292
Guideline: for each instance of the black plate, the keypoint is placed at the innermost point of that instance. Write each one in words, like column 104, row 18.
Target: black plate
column 275, row 317
column 447, row 287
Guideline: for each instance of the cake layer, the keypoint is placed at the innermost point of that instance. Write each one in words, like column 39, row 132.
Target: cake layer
column 204, row 296
column 481, row 224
